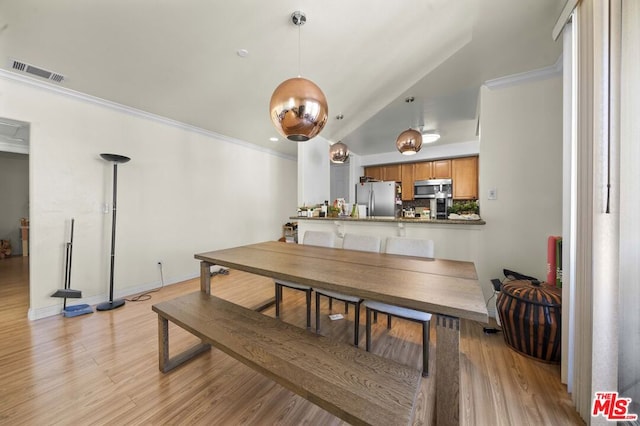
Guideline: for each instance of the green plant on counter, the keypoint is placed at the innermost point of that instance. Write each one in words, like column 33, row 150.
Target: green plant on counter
column 464, row 207
column 334, row 211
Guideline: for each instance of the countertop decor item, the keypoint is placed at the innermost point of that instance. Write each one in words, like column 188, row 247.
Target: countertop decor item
column 298, row 107
column 115, row 159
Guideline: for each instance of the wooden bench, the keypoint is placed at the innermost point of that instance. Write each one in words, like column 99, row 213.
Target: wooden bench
column 355, row 385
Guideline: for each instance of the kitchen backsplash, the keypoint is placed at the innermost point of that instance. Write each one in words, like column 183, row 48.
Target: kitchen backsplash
column 421, row 202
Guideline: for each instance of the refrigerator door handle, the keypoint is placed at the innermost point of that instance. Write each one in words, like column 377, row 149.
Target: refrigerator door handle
column 372, row 202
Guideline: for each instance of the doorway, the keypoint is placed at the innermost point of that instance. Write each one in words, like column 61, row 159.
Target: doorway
column 14, row 196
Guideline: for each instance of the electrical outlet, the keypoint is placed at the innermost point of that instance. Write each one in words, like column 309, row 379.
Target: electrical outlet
column 492, row 194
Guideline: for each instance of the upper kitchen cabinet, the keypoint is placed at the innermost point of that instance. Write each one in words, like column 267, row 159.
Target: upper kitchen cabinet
column 374, row 172
column 393, row 172
column 407, row 175
column 390, row 172
column 465, row 178
column 441, row 169
column 437, row 169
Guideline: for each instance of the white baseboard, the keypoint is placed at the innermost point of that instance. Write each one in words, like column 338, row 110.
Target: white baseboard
column 56, row 309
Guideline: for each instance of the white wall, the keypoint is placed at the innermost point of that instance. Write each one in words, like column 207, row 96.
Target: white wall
column 14, row 197
column 520, row 156
column 314, row 172
column 185, row 191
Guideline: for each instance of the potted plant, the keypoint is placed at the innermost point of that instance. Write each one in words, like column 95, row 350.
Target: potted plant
column 465, row 207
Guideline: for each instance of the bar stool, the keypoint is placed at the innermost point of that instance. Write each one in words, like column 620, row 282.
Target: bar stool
column 312, row 238
column 351, row 242
column 407, row 247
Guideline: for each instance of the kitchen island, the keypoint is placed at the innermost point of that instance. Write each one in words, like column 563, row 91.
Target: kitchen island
column 453, row 239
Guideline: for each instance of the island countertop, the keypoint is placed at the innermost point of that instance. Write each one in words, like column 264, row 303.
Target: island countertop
column 390, row 219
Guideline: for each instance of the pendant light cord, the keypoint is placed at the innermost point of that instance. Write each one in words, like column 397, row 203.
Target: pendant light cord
column 299, row 49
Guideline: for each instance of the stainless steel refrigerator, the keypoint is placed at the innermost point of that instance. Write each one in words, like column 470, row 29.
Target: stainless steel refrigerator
column 380, row 198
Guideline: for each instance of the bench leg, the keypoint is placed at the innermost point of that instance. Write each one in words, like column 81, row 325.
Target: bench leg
column 425, row 348
column 447, row 370
column 165, row 363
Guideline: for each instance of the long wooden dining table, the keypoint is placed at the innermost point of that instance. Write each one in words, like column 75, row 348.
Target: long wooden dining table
column 449, row 289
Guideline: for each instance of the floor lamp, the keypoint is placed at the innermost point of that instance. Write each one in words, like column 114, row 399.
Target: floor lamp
column 115, row 158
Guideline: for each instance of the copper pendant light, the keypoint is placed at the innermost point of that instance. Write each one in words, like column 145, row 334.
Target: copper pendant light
column 409, row 142
column 298, row 107
column 339, row 153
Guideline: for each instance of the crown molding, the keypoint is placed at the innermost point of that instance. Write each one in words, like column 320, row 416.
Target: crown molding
column 14, row 147
column 526, row 77
column 8, row 75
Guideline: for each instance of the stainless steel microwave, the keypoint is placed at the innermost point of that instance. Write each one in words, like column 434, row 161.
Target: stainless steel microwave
column 433, row 188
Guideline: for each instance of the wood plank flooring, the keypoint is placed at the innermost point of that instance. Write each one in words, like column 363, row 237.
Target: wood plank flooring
column 102, row 368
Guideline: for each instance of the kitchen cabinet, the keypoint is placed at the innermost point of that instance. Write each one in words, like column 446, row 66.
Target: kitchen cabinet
column 392, row 172
column 441, row 169
column 407, row 179
column 374, row 172
column 388, row 172
column 463, row 171
column 422, row 170
column 465, row 178
column 438, row 169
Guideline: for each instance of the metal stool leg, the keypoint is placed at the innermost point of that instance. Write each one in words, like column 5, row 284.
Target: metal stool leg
column 368, row 330
column 317, row 312
column 356, row 325
column 308, row 308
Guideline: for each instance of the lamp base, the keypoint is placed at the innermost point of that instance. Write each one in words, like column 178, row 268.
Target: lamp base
column 107, row 306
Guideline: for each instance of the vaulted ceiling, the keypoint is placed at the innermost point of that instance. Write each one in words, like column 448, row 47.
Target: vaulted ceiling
column 179, row 59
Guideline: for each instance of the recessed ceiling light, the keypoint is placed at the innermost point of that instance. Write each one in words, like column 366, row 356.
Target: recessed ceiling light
column 273, row 139
column 243, row 53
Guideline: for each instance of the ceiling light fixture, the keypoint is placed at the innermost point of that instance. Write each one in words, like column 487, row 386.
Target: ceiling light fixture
column 429, row 136
column 298, row 107
column 339, row 152
column 409, row 142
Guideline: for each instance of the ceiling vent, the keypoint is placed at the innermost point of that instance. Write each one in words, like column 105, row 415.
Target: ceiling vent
column 37, row 71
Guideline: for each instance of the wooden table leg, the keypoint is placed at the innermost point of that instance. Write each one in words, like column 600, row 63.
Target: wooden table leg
column 163, row 343
column 205, row 277
column 447, row 370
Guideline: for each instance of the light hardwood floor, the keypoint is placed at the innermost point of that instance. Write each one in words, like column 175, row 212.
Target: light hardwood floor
column 102, row 368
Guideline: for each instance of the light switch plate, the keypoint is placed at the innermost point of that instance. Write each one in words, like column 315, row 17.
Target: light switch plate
column 492, row 194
